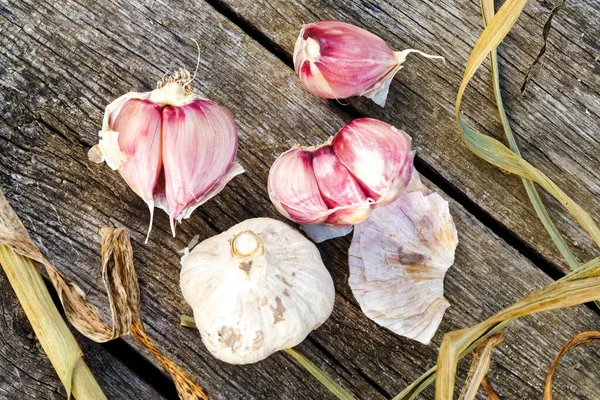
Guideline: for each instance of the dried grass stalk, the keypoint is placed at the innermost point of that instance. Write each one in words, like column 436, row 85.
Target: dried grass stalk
column 487, row 8
column 491, row 149
column 489, row 390
column 52, row 332
column 121, row 284
column 578, row 340
column 480, row 366
column 578, row 287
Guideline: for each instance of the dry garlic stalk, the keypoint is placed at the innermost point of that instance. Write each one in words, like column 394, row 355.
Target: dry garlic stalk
column 175, row 149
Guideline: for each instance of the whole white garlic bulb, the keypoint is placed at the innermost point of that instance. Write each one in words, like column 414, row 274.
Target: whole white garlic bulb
column 258, row 288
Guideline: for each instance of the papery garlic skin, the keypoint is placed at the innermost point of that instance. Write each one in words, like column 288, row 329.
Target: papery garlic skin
column 336, row 60
column 258, row 288
column 368, row 163
column 398, row 259
column 138, row 124
column 174, row 149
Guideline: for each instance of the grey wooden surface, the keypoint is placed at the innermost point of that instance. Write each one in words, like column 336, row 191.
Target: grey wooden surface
column 62, row 62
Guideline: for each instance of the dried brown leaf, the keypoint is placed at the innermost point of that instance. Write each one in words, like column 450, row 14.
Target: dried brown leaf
column 545, row 34
column 489, row 390
column 480, row 366
column 577, row 340
column 120, row 280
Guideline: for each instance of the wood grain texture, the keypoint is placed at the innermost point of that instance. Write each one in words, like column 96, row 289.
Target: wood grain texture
column 556, row 121
column 63, row 62
column 26, row 372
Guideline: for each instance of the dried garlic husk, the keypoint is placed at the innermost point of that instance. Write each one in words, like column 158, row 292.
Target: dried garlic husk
column 258, row 288
column 176, row 150
column 336, row 60
column 368, row 163
column 398, row 259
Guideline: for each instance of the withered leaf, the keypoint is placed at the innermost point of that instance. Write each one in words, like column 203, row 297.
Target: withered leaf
column 577, row 340
column 480, row 366
column 120, row 280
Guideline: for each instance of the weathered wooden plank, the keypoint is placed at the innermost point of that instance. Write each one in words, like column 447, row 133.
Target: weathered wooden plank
column 26, row 372
column 63, row 62
column 556, row 121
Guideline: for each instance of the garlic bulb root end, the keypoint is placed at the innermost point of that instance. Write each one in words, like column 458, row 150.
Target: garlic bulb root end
column 182, row 78
column 246, row 245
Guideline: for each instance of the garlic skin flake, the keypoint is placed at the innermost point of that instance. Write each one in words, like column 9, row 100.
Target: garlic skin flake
column 398, row 259
column 258, row 288
column 367, row 164
column 336, row 60
column 175, row 150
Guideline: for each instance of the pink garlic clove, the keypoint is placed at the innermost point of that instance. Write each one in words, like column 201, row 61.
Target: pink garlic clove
column 336, row 60
column 293, row 188
column 339, row 189
column 199, row 145
column 367, row 164
column 378, row 155
column 139, row 125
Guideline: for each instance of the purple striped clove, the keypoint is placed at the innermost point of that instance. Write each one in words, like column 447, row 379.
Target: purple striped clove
column 368, row 163
column 336, row 60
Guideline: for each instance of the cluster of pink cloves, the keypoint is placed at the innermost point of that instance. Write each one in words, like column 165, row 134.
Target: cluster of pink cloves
column 175, row 149
column 368, row 163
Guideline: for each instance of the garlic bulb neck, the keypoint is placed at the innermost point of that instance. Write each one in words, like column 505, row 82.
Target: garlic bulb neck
column 174, row 90
column 312, row 50
column 246, row 245
column 172, row 94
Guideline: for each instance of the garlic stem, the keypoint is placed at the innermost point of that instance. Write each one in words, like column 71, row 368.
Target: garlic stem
column 320, row 375
column 51, row 330
column 246, row 245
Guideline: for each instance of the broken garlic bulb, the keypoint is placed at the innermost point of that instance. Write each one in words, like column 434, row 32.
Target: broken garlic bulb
column 258, row 288
column 336, row 60
column 368, row 163
column 398, row 259
column 175, row 149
